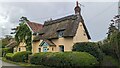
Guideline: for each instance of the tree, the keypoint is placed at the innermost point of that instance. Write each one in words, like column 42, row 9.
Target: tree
column 114, row 35
column 5, row 41
column 23, row 33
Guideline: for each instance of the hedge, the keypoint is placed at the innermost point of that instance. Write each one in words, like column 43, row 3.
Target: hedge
column 89, row 47
column 108, row 49
column 6, row 50
column 18, row 56
column 61, row 59
column 9, row 56
column 109, row 61
column 21, row 56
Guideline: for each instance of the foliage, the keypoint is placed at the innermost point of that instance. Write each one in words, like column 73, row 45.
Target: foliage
column 115, row 42
column 0, row 52
column 62, row 59
column 9, row 56
column 5, row 41
column 23, row 34
column 112, row 45
column 108, row 49
column 21, row 56
column 6, row 50
column 89, row 47
column 109, row 61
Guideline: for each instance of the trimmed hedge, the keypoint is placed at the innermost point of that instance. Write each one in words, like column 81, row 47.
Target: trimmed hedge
column 21, row 56
column 61, row 59
column 9, row 56
column 89, row 47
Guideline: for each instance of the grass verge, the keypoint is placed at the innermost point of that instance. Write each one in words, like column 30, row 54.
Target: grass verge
column 23, row 64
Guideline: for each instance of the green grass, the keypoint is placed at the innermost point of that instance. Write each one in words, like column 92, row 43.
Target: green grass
column 23, row 64
column 16, row 63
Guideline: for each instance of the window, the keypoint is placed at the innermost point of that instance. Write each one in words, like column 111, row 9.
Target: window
column 19, row 49
column 52, row 49
column 60, row 33
column 61, row 48
column 39, row 49
column 84, row 34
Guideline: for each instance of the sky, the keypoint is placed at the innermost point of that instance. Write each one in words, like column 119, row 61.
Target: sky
column 97, row 15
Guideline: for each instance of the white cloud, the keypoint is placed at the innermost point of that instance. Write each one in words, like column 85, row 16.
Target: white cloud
column 9, row 16
column 96, row 15
column 59, row 0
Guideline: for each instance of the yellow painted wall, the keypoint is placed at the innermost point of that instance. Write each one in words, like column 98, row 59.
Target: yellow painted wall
column 66, row 42
column 81, row 35
column 21, row 46
column 35, row 47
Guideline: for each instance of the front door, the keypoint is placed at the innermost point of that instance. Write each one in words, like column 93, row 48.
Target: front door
column 61, row 47
column 45, row 49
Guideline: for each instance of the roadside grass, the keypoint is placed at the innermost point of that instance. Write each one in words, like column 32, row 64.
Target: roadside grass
column 17, row 63
column 24, row 64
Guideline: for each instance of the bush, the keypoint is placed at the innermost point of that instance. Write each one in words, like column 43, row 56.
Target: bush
column 89, row 47
column 61, row 59
column 21, row 56
column 109, row 61
column 9, row 56
column 6, row 50
column 108, row 49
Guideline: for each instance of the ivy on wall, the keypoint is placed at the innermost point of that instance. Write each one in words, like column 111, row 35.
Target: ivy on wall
column 23, row 34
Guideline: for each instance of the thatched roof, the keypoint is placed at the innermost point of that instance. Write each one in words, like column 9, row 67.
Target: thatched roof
column 12, row 44
column 69, row 24
column 37, row 38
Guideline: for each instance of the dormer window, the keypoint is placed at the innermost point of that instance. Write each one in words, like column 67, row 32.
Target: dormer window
column 60, row 34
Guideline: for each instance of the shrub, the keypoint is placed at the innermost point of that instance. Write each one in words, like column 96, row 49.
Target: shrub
column 6, row 50
column 108, row 49
column 21, row 56
column 89, row 47
column 60, row 59
column 109, row 61
column 9, row 56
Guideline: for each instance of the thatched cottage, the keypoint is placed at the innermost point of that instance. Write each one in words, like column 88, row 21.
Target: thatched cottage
column 61, row 34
